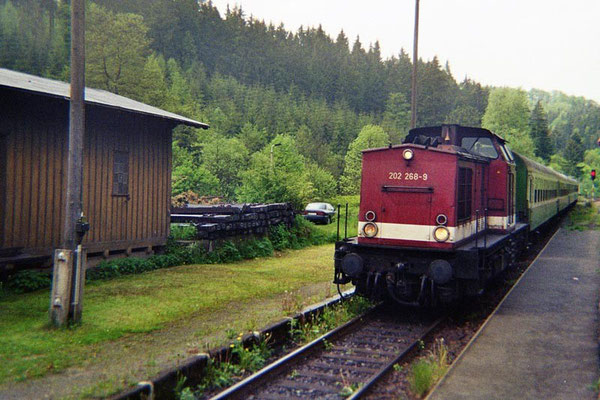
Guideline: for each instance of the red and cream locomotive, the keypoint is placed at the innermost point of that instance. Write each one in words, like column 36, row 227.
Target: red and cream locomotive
column 437, row 219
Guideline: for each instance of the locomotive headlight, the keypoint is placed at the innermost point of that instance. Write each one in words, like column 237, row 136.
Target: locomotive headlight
column 370, row 229
column 408, row 154
column 441, row 234
column 370, row 216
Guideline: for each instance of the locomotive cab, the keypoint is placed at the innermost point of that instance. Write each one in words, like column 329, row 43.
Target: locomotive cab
column 429, row 207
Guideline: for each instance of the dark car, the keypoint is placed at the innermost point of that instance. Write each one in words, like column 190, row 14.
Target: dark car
column 319, row 212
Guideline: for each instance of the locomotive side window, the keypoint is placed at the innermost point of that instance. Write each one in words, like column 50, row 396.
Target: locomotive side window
column 508, row 152
column 481, row 146
column 465, row 192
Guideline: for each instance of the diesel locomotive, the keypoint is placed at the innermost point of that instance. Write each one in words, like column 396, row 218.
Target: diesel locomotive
column 443, row 213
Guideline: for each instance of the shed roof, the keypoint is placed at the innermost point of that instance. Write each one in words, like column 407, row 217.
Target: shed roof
column 49, row 87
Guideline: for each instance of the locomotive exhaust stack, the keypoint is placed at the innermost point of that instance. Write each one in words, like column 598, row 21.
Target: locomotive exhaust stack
column 438, row 215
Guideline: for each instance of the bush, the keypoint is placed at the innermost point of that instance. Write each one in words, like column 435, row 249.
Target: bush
column 226, row 253
column 28, row 281
column 183, row 232
column 279, row 235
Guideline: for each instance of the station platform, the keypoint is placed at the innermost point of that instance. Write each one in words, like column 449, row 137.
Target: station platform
column 542, row 341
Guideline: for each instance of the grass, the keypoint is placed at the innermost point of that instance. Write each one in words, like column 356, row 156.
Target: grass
column 138, row 304
column 327, row 320
column 353, row 206
column 583, row 217
column 426, row 371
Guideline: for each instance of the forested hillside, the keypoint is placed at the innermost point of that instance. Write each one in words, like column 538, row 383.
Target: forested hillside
column 310, row 100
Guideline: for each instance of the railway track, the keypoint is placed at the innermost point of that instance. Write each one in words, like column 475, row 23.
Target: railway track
column 343, row 363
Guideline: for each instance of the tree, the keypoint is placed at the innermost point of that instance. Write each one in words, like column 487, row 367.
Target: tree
column 188, row 175
column 225, row 159
column 538, row 123
column 286, row 179
column 573, row 153
column 396, row 117
column 116, row 51
column 558, row 163
column 370, row 136
column 507, row 115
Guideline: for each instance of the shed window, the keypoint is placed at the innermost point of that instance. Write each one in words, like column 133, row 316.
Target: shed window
column 465, row 193
column 121, row 173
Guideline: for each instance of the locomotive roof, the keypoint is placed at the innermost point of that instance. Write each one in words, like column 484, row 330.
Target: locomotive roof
column 459, row 129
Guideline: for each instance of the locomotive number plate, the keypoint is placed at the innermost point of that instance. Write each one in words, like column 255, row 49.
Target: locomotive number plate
column 407, row 176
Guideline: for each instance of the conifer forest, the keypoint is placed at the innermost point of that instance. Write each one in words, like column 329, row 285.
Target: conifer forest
column 311, row 100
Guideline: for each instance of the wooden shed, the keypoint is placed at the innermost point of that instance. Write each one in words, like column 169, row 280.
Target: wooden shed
column 127, row 168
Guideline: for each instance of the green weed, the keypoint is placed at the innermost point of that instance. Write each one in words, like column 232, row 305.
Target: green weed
column 428, row 370
column 583, row 217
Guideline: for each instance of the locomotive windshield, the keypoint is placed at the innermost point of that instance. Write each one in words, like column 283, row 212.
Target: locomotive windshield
column 480, row 146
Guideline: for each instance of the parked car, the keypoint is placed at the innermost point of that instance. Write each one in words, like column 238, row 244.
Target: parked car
column 319, row 212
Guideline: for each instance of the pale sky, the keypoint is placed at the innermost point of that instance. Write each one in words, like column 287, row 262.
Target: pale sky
column 544, row 44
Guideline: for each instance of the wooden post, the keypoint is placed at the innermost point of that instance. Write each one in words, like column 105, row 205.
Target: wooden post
column 413, row 94
column 67, row 266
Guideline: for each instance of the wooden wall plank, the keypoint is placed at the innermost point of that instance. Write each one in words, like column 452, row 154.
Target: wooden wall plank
column 48, row 190
column 153, row 170
column 9, row 195
column 144, row 178
column 97, row 173
column 34, row 233
column 20, row 187
column 87, row 198
column 169, row 181
column 134, row 187
column 3, row 184
column 57, row 187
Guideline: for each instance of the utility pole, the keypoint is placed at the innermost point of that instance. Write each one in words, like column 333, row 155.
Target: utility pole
column 69, row 262
column 413, row 94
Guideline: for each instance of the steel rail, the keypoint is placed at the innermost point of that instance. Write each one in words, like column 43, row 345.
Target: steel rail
column 364, row 389
column 273, row 371
column 283, row 363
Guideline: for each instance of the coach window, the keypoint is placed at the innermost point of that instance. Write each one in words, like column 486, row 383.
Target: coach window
column 481, row 146
column 465, row 193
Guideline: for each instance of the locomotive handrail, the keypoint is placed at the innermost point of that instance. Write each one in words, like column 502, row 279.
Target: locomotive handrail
column 407, row 189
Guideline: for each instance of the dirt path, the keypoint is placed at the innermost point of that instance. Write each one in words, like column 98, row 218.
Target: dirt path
column 134, row 358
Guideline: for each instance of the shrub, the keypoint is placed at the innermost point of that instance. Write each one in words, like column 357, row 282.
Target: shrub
column 28, row 281
column 226, row 253
column 183, row 232
column 279, row 236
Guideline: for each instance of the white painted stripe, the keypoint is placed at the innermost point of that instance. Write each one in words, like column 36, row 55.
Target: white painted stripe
column 421, row 233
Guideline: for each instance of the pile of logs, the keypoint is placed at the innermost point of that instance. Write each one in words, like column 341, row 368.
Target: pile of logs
column 226, row 220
